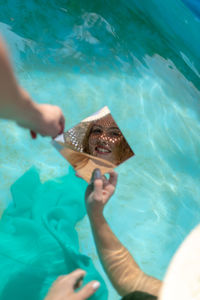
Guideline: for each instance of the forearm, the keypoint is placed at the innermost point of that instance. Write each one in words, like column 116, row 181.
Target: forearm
column 121, row 268
column 8, row 83
column 15, row 103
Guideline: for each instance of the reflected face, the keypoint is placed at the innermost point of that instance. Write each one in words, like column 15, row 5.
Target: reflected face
column 105, row 139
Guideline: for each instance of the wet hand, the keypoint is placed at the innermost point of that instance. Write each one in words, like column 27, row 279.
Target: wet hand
column 99, row 192
column 64, row 287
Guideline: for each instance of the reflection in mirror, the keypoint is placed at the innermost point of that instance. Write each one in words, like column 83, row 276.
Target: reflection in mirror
column 96, row 142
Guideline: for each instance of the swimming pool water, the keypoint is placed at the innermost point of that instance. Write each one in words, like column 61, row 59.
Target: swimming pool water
column 141, row 59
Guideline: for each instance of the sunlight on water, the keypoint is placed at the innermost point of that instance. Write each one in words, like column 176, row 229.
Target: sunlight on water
column 147, row 73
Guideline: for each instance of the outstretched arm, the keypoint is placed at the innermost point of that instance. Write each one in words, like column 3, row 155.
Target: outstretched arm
column 17, row 105
column 121, row 268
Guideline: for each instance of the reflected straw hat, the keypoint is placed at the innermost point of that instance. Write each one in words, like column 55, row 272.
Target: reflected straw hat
column 74, row 137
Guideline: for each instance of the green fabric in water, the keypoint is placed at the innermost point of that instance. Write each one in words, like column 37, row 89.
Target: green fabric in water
column 38, row 240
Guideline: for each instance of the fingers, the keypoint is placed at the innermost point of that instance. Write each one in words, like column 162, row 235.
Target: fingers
column 113, row 178
column 88, row 290
column 62, row 123
column 96, row 174
column 51, row 122
column 98, row 186
column 75, row 277
column 97, row 183
column 72, row 280
column 105, row 181
column 63, row 287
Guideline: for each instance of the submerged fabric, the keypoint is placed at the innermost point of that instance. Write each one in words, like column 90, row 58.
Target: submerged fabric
column 38, row 241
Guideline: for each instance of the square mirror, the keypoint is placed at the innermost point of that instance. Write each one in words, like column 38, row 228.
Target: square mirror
column 96, row 142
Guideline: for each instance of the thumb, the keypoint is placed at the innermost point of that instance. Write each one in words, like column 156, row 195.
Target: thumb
column 98, row 187
column 88, row 290
column 62, row 124
column 97, row 182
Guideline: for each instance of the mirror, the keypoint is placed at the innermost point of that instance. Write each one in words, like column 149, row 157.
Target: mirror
column 96, row 142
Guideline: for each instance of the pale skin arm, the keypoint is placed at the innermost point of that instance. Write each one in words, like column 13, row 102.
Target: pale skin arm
column 64, row 287
column 17, row 105
column 121, row 268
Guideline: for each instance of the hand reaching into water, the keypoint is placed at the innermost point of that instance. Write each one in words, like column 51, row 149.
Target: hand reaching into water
column 64, row 287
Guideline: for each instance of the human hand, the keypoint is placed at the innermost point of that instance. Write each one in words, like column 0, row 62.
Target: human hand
column 63, row 288
column 52, row 121
column 44, row 119
column 99, row 192
column 17, row 105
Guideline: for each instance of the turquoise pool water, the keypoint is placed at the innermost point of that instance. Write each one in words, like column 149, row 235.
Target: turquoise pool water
column 141, row 59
